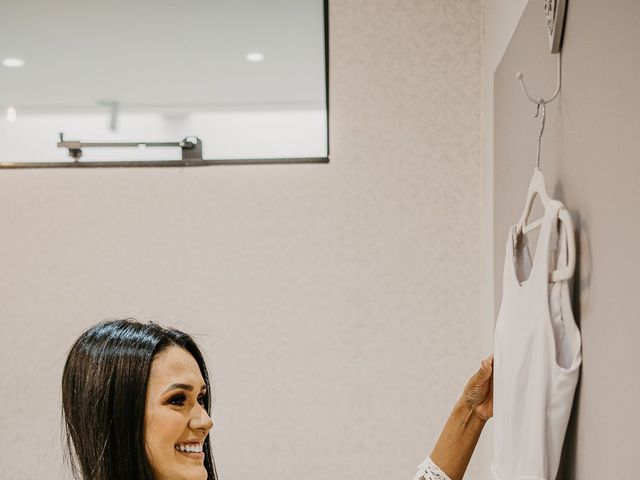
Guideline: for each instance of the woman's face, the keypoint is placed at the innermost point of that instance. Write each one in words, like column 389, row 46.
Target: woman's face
column 175, row 421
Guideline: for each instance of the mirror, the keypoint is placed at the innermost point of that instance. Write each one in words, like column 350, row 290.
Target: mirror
column 246, row 77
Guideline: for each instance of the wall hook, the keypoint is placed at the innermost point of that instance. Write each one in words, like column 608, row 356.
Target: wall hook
column 520, row 77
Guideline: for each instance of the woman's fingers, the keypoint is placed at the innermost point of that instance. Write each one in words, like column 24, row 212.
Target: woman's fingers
column 486, row 368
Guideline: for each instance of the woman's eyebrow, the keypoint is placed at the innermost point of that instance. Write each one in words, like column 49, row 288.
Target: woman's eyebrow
column 184, row 386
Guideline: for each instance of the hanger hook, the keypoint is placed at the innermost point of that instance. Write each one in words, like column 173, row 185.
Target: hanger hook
column 540, row 102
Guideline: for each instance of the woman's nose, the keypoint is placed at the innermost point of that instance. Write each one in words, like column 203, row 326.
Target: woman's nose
column 201, row 420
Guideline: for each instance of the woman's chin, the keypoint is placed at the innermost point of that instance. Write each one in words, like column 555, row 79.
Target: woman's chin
column 191, row 473
column 198, row 473
column 186, row 468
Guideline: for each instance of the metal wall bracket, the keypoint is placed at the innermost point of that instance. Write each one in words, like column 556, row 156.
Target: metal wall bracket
column 191, row 147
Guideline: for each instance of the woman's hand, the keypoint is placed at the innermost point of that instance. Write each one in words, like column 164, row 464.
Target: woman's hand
column 462, row 430
column 478, row 393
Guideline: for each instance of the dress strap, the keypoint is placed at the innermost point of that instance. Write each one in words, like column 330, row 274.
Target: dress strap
column 558, row 244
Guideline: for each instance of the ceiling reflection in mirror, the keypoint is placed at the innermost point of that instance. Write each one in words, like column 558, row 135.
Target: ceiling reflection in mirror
column 248, row 78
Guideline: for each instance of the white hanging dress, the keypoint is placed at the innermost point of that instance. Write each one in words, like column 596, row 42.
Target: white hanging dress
column 536, row 357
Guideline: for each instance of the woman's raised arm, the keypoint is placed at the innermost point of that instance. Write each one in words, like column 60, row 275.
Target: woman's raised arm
column 462, row 430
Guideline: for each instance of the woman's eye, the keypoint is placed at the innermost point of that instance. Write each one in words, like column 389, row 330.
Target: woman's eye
column 180, row 399
column 177, row 400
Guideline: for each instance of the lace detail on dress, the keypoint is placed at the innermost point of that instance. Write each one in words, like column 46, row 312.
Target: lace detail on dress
column 428, row 470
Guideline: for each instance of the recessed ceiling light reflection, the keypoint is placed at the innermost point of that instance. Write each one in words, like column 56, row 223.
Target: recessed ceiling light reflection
column 255, row 57
column 11, row 115
column 13, row 62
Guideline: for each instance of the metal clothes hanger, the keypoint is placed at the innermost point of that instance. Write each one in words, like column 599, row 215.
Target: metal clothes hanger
column 538, row 189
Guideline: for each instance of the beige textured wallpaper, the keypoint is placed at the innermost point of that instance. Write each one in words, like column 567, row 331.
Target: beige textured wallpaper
column 337, row 304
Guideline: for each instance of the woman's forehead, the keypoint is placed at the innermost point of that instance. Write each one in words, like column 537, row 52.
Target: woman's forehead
column 175, row 364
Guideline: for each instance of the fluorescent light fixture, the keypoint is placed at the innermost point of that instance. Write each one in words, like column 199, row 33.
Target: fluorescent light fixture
column 13, row 62
column 11, row 115
column 255, row 57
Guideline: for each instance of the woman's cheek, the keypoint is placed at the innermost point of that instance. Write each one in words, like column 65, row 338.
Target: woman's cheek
column 161, row 433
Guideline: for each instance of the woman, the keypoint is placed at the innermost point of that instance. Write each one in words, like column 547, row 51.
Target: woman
column 136, row 406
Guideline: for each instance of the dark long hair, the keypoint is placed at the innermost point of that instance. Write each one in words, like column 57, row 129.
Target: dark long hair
column 104, row 388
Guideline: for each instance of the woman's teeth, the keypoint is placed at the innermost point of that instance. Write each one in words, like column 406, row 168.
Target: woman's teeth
column 191, row 448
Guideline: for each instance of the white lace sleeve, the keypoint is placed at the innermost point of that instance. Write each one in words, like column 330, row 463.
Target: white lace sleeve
column 428, row 470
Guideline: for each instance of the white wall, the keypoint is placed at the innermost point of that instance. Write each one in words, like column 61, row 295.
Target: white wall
column 499, row 21
column 590, row 161
column 338, row 304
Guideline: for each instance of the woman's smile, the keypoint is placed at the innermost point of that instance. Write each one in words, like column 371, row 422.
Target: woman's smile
column 192, row 450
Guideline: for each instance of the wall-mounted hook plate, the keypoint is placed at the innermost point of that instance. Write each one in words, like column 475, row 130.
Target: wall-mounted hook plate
column 554, row 11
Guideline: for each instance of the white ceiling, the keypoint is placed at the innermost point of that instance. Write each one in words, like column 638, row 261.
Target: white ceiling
column 162, row 55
